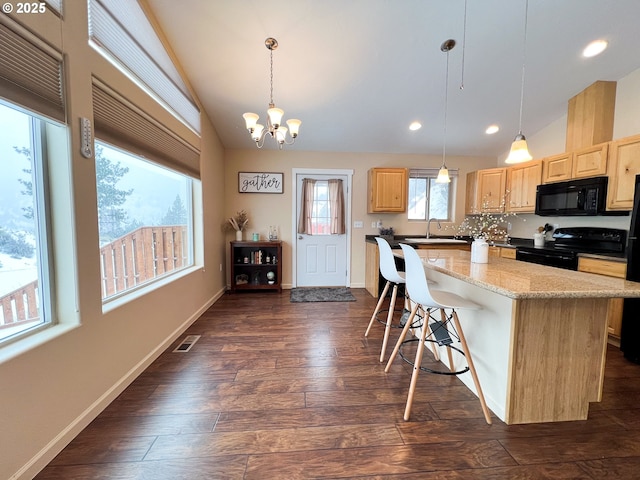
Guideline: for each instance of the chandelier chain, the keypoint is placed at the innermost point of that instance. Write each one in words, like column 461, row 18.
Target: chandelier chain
column 271, row 79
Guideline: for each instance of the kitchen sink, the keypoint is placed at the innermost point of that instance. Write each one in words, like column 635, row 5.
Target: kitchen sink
column 433, row 240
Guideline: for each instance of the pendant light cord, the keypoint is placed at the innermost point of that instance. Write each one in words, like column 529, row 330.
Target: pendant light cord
column 446, row 101
column 464, row 42
column 524, row 57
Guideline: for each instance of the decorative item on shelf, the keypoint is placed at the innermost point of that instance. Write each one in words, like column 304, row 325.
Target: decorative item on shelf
column 256, row 278
column 237, row 223
column 271, row 277
column 256, row 237
column 273, row 233
column 242, row 279
column 387, row 233
column 274, row 115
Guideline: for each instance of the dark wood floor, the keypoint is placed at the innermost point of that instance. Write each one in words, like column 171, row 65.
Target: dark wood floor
column 275, row 390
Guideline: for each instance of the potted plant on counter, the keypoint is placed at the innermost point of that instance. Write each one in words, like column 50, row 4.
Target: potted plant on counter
column 387, row 233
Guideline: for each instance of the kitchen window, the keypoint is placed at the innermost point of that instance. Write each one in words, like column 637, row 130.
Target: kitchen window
column 428, row 199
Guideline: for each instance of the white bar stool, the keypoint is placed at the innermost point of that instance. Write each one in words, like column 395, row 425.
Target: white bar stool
column 392, row 276
column 439, row 332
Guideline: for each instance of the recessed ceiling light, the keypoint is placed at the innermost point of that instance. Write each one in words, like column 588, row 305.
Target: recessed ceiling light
column 491, row 129
column 415, row 126
column 595, row 48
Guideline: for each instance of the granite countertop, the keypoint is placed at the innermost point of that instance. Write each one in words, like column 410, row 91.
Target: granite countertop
column 520, row 280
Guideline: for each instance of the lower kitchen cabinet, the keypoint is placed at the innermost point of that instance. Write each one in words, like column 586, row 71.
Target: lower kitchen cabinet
column 256, row 266
column 612, row 269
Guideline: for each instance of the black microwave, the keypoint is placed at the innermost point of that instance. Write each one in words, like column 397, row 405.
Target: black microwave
column 586, row 196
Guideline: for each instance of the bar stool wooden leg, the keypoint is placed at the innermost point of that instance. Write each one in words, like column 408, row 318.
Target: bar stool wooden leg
column 472, row 368
column 416, row 371
column 378, row 306
column 403, row 335
column 387, row 328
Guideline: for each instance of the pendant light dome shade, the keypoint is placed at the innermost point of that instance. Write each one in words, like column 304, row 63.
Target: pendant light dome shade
column 519, row 151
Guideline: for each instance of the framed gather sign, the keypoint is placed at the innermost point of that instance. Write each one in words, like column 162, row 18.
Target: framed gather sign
column 260, row 182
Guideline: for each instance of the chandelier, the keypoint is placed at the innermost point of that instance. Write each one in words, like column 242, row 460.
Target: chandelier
column 274, row 126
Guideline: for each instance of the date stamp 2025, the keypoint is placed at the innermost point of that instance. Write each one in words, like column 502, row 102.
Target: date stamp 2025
column 24, row 7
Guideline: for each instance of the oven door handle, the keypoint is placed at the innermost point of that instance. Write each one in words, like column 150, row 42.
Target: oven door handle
column 543, row 255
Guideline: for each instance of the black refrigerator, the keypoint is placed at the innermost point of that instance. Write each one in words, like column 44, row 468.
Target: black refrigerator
column 630, row 334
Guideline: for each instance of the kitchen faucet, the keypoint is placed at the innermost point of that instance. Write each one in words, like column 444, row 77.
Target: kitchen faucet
column 429, row 226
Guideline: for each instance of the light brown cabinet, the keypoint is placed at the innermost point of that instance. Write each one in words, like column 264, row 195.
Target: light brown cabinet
column 371, row 268
column 387, row 190
column 624, row 165
column 522, row 181
column 486, row 190
column 557, row 168
column 611, row 269
column 590, row 161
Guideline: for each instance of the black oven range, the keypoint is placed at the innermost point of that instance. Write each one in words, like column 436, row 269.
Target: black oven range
column 569, row 242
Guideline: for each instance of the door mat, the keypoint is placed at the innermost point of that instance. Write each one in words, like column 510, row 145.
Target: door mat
column 321, row 294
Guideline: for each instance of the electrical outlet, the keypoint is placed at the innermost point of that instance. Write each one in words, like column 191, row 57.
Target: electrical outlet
column 373, row 224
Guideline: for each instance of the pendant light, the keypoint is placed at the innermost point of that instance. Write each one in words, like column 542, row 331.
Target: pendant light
column 443, row 173
column 519, row 150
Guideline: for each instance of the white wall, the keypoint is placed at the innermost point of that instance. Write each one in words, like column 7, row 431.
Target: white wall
column 50, row 391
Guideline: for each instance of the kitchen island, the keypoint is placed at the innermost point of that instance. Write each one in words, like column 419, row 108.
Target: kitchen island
column 539, row 341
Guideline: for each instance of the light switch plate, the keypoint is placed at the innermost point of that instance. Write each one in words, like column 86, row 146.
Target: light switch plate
column 358, row 224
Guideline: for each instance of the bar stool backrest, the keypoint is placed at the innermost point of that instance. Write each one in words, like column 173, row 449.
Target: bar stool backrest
column 417, row 284
column 387, row 262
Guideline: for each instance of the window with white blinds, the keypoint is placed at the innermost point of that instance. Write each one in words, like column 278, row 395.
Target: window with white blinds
column 122, row 30
column 121, row 123
column 30, row 74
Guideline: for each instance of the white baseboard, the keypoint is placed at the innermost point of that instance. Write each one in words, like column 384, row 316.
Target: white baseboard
column 60, row 441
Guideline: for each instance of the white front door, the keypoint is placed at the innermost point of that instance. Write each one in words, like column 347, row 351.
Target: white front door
column 322, row 259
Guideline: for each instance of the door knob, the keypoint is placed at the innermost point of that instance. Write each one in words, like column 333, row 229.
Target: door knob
column 299, row 237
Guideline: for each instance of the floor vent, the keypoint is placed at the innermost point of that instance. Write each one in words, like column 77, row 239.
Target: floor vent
column 187, row 343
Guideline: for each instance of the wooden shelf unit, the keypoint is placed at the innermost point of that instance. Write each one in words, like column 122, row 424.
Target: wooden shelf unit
column 249, row 265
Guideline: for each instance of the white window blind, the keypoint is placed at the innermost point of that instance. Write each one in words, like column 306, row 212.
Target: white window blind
column 122, row 124
column 430, row 172
column 122, row 30
column 29, row 75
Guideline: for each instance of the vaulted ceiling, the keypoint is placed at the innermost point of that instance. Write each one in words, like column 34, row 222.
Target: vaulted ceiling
column 358, row 72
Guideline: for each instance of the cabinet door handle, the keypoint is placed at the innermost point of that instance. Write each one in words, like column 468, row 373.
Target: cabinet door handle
column 299, row 237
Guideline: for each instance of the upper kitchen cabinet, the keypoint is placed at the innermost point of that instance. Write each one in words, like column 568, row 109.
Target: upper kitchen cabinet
column 557, row 168
column 522, row 181
column 486, row 190
column 624, row 165
column 387, row 190
column 590, row 116
column 590, row 161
